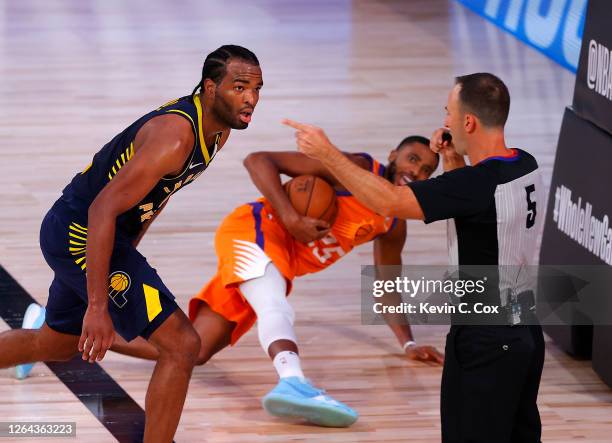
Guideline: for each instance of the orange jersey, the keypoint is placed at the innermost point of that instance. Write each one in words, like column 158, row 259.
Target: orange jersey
column 252, row 236
column 355, row 224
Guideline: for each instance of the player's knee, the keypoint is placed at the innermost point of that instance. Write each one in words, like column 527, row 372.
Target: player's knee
column 280, row 311
column 189, row 345
column 204, row 355
column 285, row 310
column 182, row 348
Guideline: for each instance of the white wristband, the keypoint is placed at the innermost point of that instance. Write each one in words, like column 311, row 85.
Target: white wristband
column 409, row 344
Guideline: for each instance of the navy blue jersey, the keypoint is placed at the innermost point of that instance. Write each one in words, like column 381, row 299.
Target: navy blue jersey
column 85, row 186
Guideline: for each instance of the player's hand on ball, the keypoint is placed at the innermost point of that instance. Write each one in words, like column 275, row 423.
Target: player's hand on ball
column 306, row 229
column 425, row 354
column 98, row 333
column 439, row 145
column 311, row 140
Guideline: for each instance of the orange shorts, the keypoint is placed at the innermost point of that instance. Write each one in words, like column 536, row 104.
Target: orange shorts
column 246, row 241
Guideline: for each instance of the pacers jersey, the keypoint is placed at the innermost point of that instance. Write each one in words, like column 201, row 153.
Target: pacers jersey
column 354, row 225
column 107, row 163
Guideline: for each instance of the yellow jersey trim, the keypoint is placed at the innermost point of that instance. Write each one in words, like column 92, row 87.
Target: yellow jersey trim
column 200, row 136
column 198, row 105
column 87, row 168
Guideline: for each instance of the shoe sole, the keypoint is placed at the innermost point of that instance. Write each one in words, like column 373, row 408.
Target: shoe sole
column 319, row 414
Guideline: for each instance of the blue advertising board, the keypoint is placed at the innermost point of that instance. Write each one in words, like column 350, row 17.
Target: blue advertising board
column 554, row 27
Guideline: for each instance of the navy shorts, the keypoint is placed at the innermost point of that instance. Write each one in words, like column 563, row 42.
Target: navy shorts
column 139, row 302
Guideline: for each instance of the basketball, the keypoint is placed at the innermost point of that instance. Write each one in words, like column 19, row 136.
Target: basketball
column 312, row 196
column 119, row 282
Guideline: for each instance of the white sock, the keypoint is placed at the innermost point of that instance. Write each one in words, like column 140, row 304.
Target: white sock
column 287, row 364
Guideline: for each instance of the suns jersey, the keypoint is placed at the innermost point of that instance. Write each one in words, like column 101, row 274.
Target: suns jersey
column 107, row 163
column 252, row 236
column 354, row 225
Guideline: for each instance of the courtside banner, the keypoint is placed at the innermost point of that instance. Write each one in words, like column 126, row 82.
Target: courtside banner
column 554, row 27
column 577, row 227
column 593, row 90
column 577, row 232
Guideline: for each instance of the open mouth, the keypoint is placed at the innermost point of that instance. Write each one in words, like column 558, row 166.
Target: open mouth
column 246, row 116
column 404, row 179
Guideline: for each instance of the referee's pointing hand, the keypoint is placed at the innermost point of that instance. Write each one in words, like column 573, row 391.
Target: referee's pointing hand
column 311, row 140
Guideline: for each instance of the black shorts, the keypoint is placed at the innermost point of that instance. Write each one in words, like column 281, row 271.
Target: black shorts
column 139, row 302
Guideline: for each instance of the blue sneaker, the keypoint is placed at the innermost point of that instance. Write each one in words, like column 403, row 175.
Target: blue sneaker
column 33, row 318
column 297, row 398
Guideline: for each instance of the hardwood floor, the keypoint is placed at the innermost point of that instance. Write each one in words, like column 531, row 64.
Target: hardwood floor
column 369, row 72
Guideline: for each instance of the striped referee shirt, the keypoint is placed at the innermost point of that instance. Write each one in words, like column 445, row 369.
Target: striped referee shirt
column 494, row 210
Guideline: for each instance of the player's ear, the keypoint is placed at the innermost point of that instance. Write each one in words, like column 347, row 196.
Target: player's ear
column 393, row 155
column 210, row 88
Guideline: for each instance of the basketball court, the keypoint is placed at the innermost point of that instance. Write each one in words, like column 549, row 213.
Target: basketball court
column 370, row 72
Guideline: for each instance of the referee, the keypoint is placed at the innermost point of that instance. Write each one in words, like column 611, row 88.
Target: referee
column 493, row 207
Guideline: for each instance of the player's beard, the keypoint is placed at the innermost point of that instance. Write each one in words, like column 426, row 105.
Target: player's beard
column 390, row 171
column 225, row 114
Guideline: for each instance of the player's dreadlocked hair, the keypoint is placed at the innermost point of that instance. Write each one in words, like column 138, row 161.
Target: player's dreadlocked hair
column 216, row 63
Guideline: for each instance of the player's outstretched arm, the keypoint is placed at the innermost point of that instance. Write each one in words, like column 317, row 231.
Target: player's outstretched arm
column 161, row 147
column 265, row 169
column 388, row 260
column 373, row 191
